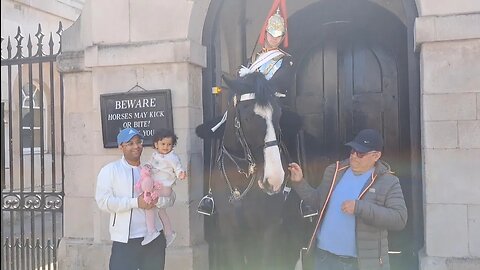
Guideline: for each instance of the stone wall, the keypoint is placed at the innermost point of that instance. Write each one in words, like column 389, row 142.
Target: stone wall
column 110, row 52
column 447, row 35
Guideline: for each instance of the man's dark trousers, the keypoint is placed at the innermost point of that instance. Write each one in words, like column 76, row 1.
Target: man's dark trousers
column 133, row 256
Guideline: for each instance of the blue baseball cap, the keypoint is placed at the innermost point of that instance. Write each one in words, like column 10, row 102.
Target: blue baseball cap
column 127, row 134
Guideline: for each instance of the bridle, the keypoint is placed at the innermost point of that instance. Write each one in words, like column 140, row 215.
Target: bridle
column 251, row 172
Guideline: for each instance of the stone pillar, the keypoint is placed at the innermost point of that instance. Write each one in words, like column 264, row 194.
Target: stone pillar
column 448, row 38
column 109, row 50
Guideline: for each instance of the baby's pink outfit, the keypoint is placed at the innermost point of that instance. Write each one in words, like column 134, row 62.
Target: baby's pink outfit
column 164, row 170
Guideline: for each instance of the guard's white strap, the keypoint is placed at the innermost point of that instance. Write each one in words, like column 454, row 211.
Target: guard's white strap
column 224, row 118
column 263, row 58
column 250, row 96
column 247, row 96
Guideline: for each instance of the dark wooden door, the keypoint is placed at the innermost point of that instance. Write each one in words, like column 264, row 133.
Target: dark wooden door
column 344, row 85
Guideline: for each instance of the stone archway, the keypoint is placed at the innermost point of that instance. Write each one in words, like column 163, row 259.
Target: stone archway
column 310, row 24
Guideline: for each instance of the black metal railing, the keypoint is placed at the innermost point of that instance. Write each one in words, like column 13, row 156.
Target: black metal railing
column 32, row 168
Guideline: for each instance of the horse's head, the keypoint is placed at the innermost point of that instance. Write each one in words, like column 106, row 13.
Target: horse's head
column 252, row 128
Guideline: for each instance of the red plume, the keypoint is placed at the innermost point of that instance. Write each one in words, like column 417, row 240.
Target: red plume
column 283, row 12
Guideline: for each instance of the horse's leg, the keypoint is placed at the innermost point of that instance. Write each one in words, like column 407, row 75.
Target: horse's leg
column 269, row 249
column 232, row 236
column 261, row 212
column 294, row 231
column 229, row 255
column 278, row 245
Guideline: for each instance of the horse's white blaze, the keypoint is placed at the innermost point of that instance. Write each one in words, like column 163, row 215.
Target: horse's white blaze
column 273, row 171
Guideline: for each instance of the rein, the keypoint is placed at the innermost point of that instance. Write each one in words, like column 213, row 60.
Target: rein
column 235, row 194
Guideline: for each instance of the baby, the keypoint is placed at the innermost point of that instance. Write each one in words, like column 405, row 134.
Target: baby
column 158, row 176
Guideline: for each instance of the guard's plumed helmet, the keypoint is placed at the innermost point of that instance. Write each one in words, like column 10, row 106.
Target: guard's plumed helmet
column 276, row 22
column 276, row 25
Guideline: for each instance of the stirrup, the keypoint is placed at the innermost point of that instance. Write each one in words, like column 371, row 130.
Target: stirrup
column 306, row 210
column 206, row 206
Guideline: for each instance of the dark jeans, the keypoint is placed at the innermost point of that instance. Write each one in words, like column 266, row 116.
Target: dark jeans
column 133, row 256
column 325, row 260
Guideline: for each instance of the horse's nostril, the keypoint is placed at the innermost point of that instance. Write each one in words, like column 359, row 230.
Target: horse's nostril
column 268, row 188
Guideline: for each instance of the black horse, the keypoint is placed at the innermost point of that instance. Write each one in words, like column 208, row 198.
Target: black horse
column 248, row 187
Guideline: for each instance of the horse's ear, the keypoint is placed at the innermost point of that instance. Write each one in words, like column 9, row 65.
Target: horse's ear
column 232, row 83
column 255, row 82
column 242, row 85
column 205, row 132
column 290, row 123
column 263, row 91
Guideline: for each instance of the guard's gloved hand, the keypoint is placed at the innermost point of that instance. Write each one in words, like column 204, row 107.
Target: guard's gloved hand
column 244, row 71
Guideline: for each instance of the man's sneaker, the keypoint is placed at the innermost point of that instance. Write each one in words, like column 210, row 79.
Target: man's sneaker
column 149, row 238
column 170, row 238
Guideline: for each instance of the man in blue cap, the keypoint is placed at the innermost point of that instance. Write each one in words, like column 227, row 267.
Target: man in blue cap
column 116, row 194
column 359, row 200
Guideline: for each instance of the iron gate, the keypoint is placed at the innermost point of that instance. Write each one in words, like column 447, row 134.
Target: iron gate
column 32, row 168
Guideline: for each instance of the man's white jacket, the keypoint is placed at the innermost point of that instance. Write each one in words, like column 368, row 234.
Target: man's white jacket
column 115, row 194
